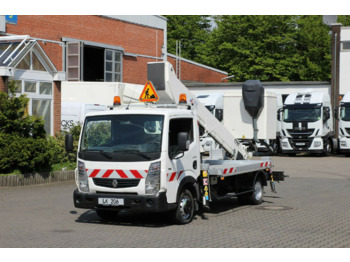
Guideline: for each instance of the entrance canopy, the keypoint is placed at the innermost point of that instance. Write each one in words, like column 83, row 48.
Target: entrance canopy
column 24, row 53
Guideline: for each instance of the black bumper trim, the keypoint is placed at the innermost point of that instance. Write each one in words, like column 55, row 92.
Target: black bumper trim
column 302, row 151
column 153, row 203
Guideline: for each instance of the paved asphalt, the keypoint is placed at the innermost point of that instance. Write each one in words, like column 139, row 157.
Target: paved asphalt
column 311, row 209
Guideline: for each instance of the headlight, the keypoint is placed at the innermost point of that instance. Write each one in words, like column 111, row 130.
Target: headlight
column 284, row 144
column 317, row 143
column 82, row 178
column 153, row 179
column 343, row 144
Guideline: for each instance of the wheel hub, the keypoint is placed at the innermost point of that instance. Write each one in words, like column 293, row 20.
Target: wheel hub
column 185, row 208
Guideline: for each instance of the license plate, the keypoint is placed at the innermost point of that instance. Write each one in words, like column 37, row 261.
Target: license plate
column 300, row 144
column 111, row 201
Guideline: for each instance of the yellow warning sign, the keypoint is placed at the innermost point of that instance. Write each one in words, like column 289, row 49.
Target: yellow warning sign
column 149, row 93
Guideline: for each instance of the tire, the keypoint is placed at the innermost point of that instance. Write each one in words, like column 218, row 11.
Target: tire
column 328, row 148
column 255, row 197
column 107, row 214
column 184, row 212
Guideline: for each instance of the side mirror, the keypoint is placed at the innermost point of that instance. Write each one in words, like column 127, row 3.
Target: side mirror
column 219, row 114
column 69, row 143
column 326, row 114
column 182, row 141
column 279, row 114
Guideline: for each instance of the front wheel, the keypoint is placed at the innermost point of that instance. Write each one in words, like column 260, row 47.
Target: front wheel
column 328, row 148
column 185, row 210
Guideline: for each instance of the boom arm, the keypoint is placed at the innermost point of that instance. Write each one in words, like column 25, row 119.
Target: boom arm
column 169, row 88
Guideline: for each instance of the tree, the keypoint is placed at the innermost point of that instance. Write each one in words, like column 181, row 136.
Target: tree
column 13, row 116
column 344, row 20
column 314, row 48
column 269, row 48
column 191, row 30
column 23, row 142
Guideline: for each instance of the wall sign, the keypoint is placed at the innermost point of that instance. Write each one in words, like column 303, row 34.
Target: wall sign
column 11, row 19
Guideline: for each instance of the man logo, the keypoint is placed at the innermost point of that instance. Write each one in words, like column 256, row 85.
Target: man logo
column 115, row 183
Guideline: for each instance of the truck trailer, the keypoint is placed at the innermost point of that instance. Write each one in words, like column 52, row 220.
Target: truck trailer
column 146, row 157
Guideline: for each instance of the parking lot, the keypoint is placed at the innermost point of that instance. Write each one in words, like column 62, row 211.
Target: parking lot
column 311, row 209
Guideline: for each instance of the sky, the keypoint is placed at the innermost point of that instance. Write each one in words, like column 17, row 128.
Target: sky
column 185, row 7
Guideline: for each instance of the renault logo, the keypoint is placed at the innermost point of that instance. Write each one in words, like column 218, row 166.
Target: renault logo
column 115, row 183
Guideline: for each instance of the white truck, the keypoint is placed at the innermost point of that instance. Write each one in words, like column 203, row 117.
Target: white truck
column 147, row 157
column 74, row 113
column 344, row 125
column 307, row 124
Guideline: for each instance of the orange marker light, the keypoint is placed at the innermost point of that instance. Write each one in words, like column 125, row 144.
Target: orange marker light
column 182, row 98
column 116, row 101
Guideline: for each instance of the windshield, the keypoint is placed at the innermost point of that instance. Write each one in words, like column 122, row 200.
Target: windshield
column 345, row 113
column 122, row 138
column 301, row 114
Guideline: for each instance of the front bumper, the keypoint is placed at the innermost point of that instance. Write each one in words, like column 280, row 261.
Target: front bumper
column 344, row 145
column 152, row 203
column 291, row 145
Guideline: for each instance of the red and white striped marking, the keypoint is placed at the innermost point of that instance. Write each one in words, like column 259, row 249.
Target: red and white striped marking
column 266, row 164
column 229, row 171
column 175, row 176
column 116, row 173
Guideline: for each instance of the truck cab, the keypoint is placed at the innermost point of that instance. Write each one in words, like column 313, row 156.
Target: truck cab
column 307, row 124
column 137, row 156
column 344, row 125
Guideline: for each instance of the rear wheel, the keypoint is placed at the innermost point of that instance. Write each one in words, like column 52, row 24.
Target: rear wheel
column 107, row 214
column 185, row 209
column 255, row 197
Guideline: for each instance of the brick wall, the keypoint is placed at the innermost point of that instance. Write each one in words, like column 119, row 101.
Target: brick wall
column 3, row 86
column 192, row 72
column 132, row 37
column 56, row 107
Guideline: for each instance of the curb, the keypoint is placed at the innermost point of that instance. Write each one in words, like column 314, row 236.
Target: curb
column 36, row 179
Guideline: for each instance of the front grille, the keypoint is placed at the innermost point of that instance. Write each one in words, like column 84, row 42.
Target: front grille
column 300, row 133
column 297, row 143
column 122, row 183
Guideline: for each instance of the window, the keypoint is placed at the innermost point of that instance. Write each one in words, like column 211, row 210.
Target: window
column 87, row 62
column 73, row 61
column 31, row 62
column 175, row 127
column 346, row 46
column 112, row 66
column 40, row 96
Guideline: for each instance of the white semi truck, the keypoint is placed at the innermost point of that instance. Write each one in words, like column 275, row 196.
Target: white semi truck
column 307, row 124
column 344, row 125
column 147, row 157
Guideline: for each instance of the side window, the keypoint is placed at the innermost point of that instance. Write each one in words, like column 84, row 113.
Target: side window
column 175, row 127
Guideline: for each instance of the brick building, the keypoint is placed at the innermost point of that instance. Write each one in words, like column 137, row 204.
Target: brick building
column 39, row 52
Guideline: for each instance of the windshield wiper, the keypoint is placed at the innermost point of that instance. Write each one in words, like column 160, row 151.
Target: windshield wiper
column 100, row 151
column 136, row 152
